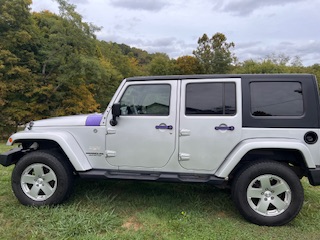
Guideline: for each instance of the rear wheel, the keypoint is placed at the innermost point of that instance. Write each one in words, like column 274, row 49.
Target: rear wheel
column 268, row 193
column 42, row 178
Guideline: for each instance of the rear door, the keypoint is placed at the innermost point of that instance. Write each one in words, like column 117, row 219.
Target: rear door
column 210, row 122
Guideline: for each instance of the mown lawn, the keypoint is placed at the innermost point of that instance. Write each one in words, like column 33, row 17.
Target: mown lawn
column 142, row 210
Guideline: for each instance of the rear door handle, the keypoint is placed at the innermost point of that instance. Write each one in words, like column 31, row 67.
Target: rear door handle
column 224, row 128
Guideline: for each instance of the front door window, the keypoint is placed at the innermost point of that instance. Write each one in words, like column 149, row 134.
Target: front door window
column 149, row 100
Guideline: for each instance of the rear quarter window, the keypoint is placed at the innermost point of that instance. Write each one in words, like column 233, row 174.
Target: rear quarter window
column 276, row 99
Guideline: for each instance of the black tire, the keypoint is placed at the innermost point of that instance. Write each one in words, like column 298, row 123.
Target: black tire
column 267, row 193
column 42, row 178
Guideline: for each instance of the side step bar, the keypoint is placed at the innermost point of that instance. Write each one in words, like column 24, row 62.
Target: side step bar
column 152, row 176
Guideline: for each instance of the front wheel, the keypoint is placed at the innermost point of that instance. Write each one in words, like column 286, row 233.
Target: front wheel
column 268, row 193
column 42, row 178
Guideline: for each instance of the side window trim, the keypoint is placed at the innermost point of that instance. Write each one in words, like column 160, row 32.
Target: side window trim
column 310, row 97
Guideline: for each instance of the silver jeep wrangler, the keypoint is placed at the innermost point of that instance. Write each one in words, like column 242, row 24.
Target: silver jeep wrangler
column 257, row 134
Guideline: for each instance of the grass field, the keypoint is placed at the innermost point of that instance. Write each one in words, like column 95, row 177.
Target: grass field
column 142, row 210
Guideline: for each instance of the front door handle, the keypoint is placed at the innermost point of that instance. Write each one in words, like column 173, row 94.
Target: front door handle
column 164, row 127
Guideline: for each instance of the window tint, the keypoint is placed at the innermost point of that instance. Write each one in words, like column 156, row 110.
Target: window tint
column 211, row 99
column 276, row 99
column 146, row 99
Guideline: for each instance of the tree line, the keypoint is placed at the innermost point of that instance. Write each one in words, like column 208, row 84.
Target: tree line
column 53, row 64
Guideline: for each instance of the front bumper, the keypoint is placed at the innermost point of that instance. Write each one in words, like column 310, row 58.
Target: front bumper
column 314, row 176
column 11, row 157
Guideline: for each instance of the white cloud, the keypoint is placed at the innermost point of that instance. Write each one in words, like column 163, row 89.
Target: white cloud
column 79, row 1
column 147, row 5
column 246, row 7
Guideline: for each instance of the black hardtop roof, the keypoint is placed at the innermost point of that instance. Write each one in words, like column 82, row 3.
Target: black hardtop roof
column 217, row 76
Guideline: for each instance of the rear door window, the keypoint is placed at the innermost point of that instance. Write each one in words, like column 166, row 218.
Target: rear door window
column 211, row 99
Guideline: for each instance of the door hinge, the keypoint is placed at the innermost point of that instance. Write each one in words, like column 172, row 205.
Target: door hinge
column 185, row 132
column 111, row 131
column 110, row 153
column 184, row 156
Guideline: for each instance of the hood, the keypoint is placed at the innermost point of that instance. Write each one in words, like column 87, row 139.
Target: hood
column 77, row 120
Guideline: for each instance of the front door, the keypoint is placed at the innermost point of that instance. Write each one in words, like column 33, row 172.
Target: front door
column 145, row 134
column 210, row 122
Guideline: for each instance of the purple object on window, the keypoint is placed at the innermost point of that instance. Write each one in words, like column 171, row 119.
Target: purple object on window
column 94, row 120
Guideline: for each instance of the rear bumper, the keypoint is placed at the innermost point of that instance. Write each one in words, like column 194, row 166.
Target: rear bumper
column 314, row 176
column 10, row 157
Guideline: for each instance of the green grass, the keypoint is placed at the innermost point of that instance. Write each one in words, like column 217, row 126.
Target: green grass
column 142, row 210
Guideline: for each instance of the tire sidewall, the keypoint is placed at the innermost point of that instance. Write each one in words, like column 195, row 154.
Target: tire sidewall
column 53, row 161
column 247, row 175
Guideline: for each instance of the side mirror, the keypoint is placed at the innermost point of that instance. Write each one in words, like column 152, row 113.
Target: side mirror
column 116, row 112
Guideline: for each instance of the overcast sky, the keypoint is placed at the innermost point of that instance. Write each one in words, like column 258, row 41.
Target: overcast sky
column 257, row 27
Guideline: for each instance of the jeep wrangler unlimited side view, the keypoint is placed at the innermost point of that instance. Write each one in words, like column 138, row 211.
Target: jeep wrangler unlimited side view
column 255, row 133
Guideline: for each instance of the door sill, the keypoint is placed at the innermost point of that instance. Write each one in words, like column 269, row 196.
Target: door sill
column 152, row 176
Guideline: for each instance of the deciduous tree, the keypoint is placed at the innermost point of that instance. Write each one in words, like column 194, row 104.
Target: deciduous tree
column 214, row 54
column 18, row 46
column 160, row 65
column 187, row 65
